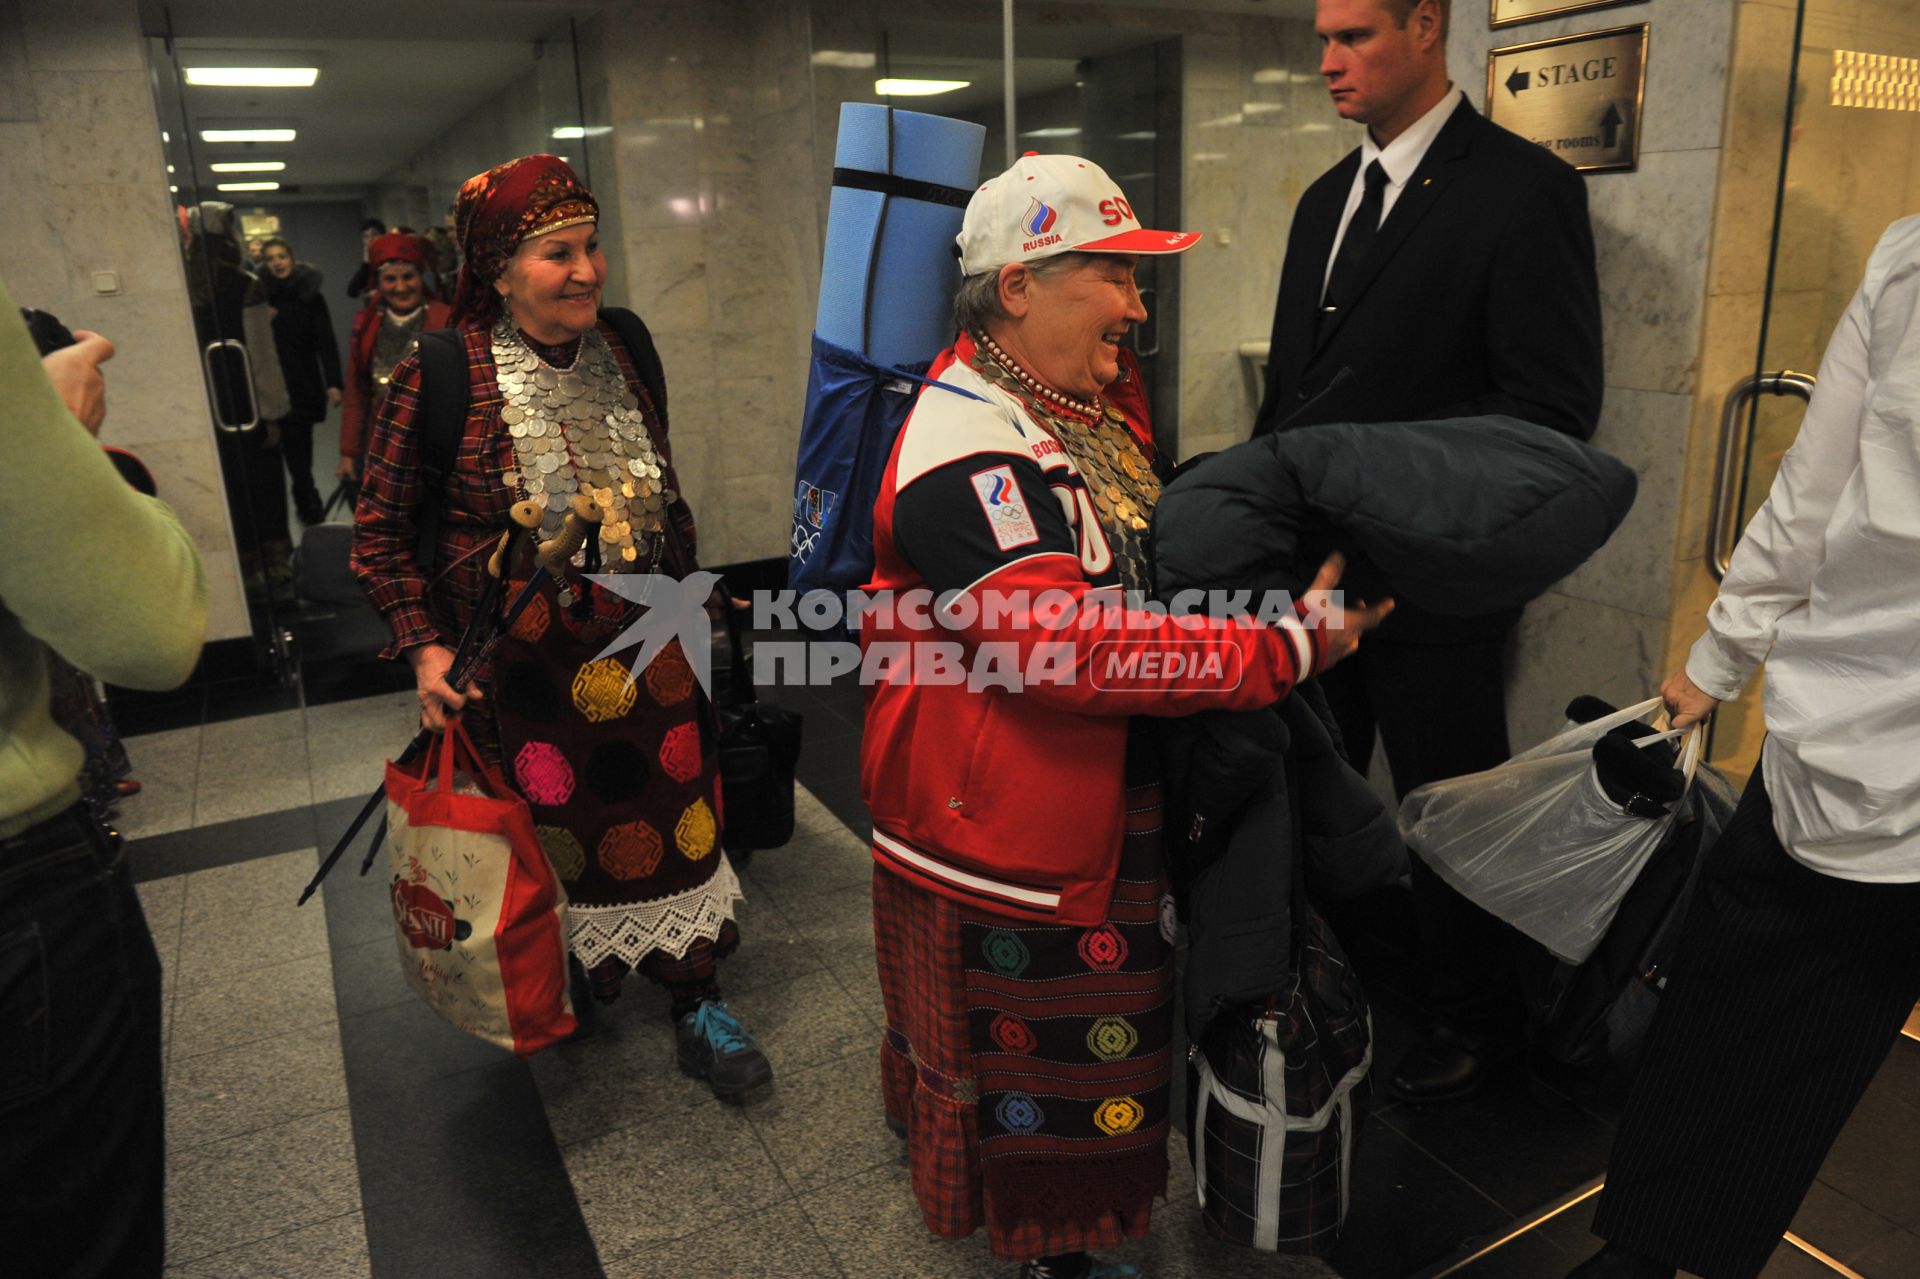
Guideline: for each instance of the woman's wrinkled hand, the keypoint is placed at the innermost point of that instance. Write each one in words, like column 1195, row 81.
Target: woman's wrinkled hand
column 1687, row 703
column 430, row 663
column 1342, row 624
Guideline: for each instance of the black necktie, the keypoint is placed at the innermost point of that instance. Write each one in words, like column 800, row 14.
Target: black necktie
column 1344, row 281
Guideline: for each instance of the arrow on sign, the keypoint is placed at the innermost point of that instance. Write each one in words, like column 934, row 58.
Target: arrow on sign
column 1610, row 125
column 1518, row 83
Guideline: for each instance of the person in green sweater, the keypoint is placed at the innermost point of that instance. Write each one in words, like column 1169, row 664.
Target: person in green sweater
column 107, row 579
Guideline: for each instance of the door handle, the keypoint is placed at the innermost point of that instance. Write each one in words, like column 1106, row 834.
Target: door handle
column 1736, row 433
column 246, row 367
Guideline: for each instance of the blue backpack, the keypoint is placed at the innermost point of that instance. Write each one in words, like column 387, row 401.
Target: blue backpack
column 855, row 409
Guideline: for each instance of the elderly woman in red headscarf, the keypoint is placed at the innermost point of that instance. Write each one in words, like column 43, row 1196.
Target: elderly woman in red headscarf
column 384, row 331
column 618, row 767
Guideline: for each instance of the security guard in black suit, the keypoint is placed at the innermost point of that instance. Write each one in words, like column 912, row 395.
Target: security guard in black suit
column 1444, row 268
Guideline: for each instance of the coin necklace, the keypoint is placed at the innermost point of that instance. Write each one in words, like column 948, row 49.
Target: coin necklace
column 1095, row 436
column 580, row 429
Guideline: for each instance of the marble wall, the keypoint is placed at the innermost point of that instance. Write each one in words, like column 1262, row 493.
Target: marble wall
column 86, row 192
column 1604, row 629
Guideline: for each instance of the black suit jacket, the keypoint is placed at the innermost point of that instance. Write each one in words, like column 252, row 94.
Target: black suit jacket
column 1479, row 294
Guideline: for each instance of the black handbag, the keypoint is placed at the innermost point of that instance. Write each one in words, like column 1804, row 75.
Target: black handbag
column 759, row 747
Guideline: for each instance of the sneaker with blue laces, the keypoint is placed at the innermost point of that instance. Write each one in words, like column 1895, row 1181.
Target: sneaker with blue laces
column 715, row 1047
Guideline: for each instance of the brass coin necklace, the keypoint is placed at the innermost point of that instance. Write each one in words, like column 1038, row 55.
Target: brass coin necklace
column 580, row 430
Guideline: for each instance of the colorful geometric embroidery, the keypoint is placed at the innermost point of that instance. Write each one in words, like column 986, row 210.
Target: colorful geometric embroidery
column 1017, row 1112
column 1103, row 949
column 1012, row 1034
column 533, row 622
column 1112, row 1038
column 1169, row 919
column 563, row 850
column 695, row 830
column 1117, row 1115
column 544, row 775
column 680, row 752
column 603, row 691
column 631, row 850
column 669, row 678
column 1006, row 953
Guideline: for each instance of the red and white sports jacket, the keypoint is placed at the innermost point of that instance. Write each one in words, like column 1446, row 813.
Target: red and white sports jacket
column 1014, row 800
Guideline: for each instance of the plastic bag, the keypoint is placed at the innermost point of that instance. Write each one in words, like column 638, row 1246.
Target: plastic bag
column 1537, row 842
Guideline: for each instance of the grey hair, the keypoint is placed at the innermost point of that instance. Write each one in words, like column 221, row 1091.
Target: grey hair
column 977, row 302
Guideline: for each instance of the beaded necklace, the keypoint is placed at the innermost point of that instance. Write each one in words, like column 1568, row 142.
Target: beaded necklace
column 1118, row 477
column 580, row 429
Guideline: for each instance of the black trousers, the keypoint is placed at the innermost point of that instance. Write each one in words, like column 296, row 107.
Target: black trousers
column 256, row 497
column 81, row 1126
column 296, row 450
column 1440, row 711
column 1786, row 994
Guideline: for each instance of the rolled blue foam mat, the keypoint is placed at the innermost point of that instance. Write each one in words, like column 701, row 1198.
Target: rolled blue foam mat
column 901, row 180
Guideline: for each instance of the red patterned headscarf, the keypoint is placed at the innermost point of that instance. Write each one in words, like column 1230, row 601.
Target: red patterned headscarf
column 498, row 209
column 397, row 246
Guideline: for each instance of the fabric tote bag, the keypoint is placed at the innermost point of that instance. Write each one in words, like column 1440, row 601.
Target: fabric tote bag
column 479, row 914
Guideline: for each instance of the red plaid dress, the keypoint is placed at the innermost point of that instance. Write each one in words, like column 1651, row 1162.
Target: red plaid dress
column 1030, row 1064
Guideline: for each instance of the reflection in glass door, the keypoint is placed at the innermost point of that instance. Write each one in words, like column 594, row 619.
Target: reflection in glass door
column 245, row 390
column 1851, row 147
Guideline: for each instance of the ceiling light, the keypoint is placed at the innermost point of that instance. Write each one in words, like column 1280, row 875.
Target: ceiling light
column 1062, row 131
column 253, row 77
column 571, row 132
column 249, row 166
column 248, row 186
column 246, row 135
column 893, row 87
column 842, row 58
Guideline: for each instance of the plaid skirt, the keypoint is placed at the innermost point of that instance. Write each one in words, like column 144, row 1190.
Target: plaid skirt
column 1030, row 1064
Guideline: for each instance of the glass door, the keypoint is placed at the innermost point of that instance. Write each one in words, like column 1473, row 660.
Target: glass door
column 232, row 327
column 1850, row 147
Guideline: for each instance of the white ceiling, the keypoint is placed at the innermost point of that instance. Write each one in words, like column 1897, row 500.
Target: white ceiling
column 394, row 76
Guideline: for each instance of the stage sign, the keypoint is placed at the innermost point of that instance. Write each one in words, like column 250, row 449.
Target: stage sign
column 1579, row 96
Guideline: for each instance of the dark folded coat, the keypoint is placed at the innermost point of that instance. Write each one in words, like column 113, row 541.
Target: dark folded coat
column 1461, row 518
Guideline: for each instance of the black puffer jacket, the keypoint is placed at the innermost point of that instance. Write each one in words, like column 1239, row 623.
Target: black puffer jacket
column 1462, row 521
column 1462, row 517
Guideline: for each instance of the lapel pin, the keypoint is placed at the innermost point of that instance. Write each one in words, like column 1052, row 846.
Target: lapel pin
column 1427, row 182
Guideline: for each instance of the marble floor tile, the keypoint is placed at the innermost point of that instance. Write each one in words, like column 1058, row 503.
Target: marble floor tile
column 159, row 808
column 242, row 916
column 262, row 1184
column 264, row 1084
column 803, row 1022
column 652, row 1183
column 771, row 949
column 251, row 733
column 623, row 1075
column 226, row 1011
column 335, row 1249
column 776, row 1241
column 248, row 780
column 825, row 1123
column 397, row 711
column 873, row 1227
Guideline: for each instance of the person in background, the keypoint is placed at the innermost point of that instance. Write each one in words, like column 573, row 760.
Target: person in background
column 121, row 595
column 370, row 230
column 1416, row 264
column 1799, row 957
column 256, row 254
column 620, row 770
column 1023, row 921
column 384, row 332
column 309, row 361
column 444, row 254
column 231, row 305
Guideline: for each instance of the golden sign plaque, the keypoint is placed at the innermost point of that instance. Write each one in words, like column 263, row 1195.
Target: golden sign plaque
column 1578, row 96
column 1504, row 13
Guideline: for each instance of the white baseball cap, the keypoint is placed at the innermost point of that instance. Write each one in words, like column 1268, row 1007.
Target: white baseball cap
column 1048, row 204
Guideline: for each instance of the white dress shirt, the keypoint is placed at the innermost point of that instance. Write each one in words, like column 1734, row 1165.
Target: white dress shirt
column 1399, row 158
column 1827, row 577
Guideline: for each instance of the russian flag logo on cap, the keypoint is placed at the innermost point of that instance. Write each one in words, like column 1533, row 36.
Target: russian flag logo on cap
column 1039, row 218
